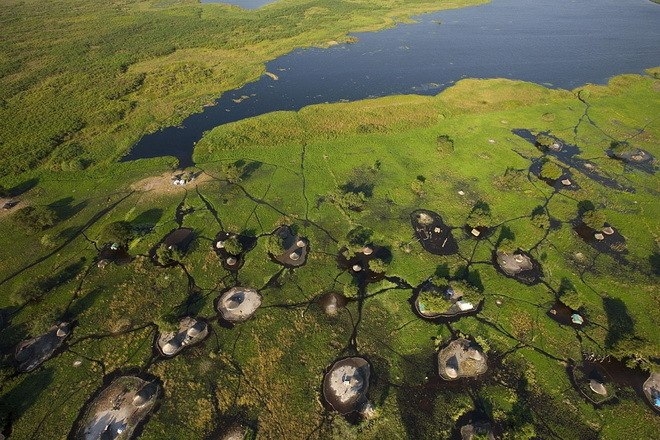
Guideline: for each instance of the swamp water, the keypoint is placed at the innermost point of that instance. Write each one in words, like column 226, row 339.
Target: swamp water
column 558, row 43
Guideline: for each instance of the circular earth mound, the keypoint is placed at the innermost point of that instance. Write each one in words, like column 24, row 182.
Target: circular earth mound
column 518, row 265
column 190, row 332
column 434, row 236
column 652, row 390
column 33, row 352
column 593, row 382
column 118, row 409
column 346, row 383
column 238, row 303
column 293, row 249
column 461, row 358
column 331, row 302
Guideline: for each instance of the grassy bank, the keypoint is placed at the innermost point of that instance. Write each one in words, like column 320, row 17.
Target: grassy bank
column 328, row 169
column 81, row 81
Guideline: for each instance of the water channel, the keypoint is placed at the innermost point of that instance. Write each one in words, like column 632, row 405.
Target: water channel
column 558, row 43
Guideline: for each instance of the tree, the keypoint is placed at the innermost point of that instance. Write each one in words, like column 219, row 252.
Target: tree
column 550, row 171
column 544, row 141
column 594, row 219
column 480, row 215
column 540, row 218
column 166, row 255
column 275, row 245
column 31, row 291
column 233, row 245
column 120, row 232
column 35, row 218
column 359, row 235
column 3, row 191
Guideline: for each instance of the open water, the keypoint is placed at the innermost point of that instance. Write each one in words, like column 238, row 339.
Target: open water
column 558, row 43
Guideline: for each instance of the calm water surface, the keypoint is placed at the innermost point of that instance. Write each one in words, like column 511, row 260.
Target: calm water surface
column 559, row 43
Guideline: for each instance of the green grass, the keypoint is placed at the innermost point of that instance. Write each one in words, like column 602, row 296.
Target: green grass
column 268, row 370
column 93, row 77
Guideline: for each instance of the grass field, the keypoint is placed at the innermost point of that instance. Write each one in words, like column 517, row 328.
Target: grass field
column 81, row 81
column 328, row 169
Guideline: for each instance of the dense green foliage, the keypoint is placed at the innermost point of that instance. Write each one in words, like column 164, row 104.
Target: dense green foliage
column 81, row 81
column 290, row 340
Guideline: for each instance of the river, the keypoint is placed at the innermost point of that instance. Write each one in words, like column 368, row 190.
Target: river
column 558, row 43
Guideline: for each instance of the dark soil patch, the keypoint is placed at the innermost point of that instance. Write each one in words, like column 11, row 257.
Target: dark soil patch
column 358, row 264
column 475, row 423
column 331, row 302
column 31, row 353
column 564, row 182
column 229, row 261
column 568, row 155
column 346, row 384
column 582, row 376
column 529, row 276
column 119, row 256
column 452, row 313
column 432, row 233
column 620, row 374
column 561, row 313
column 636, row 158
column 613, row 244
column 294, row 248
column 133, row 431
column 183, row 340
column 180, row 239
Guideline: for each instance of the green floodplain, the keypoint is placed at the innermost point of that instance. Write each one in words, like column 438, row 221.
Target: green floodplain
column 482, row 154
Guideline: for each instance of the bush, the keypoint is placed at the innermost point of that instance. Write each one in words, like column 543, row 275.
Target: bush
column 166, row 256
column 540, row 218
column 35, row 218
column 594, row 219
column 275, row 245
column 359, row 235
column 480, row 216
column 120, row 232
column 550, row 171
column 544, row 141
column 233, row 245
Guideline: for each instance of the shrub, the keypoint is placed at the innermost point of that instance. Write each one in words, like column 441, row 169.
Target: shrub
column 120, row 232
column 550, row 171
column 594, row 219
column 480, row 216
column 544, row 141
column 540, row 218
column 35, row 218
column 233, row 245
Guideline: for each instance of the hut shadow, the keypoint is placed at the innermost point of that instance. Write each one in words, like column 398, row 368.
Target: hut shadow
column 654, row 260
column 247, row 169
column 422, row 404
column 192, row 305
